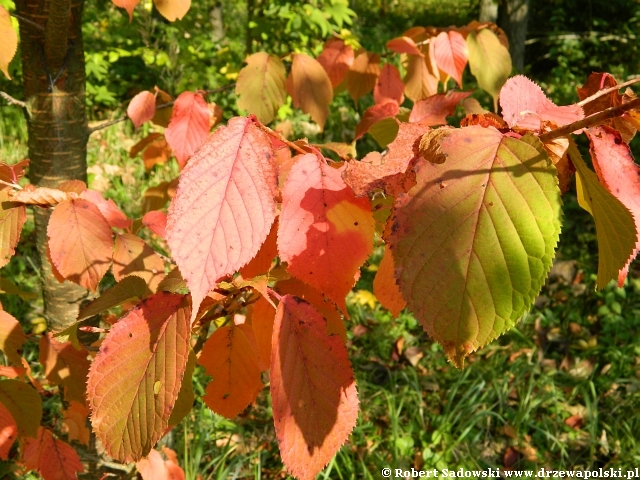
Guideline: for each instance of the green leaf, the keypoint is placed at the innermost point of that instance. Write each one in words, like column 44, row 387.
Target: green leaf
column 615, row 227
column 384, row 131
column 129, row 288
column 473, row 241
column 184, row 402
column 489, row 61
column 24, row 404
column 9, row 288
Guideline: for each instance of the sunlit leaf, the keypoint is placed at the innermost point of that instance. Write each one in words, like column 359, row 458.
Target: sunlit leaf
column 261, row 86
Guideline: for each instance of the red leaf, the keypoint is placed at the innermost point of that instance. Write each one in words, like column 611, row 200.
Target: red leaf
column 435, row 109
column 404, row 45
column 451, row 54
column 260, row 316
column 135, row 378
column 12, row 219
column 110, row 211
column 261, row 263
column 620, row 174
column 315, row 402
column 189, row 125
column 52, row 458
column 64, row 365
column 336, row 58
column 156, row 221
column 11, row 338
column 230, row 358
column 8, row 432
column 12, row 173
column 224, row 207
column 389, row 87
column 128, row 5
column 525, row 105
column 310, row 87
column 325, row 232
column 363, row 74
column 80, row 242
column 392, row 172
column 385, row 286
column 374, row 114
column 142, row 107
column 133, row 256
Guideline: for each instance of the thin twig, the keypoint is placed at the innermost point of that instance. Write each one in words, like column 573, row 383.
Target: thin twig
column 279, row 137
column 601, row 93
column 159, row 107
column 13, row 101
column 26, row 20
column 589, row 121
column 12, row 185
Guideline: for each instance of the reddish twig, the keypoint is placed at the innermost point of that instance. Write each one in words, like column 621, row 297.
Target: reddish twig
column 590, row 120
column 279, row 137
column 601, row 93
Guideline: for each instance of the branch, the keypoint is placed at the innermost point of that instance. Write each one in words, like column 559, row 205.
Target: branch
column 600, row 93
column 13, row 101
column 159, row 107
column 589, row 121
column 279, row 137
column 26, row 20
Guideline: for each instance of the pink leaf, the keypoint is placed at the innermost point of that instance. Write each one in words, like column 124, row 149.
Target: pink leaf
column 435, row 109
column 142, row 108
column 110, row 211
column 451, row 54
column 389, row 87
column 156, row 221
column 189, row 125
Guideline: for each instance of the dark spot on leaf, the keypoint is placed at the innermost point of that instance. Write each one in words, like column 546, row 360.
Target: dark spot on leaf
column 355, row 224
column 130, row 335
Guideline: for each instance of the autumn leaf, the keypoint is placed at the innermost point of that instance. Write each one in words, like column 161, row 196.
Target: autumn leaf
column 385, row 287
column 499, row 198
column 336, row 58
column 127, row 289
column 489, row 61
column 313, row 390
column 12, row 173
column 11, row 338
column 157, row 152
column 261, row 263
column 9, row 41
column 75, row 423
column 144, row 143
column 525, row 105
column 261, row 86
column 224, row 207
column 80, row 242
column 325, row 232
column 173, row 10
column 162, row 116
column 152, row 466
column 345, row 151
column 65, row 366
column 389, row 86
column 142, row 107
column 156, row 221
column 620, row 175
column 184, row 402
column 392, row 172
column 230, row 358
column 51, row 458
column 135, row 378
column 42, row 196
column 260, row 315
column 12, row 219
column 374, row 114
column 404, row 45
column 451, row 54
column 189, row 125
column 8, row 432
column 24, row 405
column 109, row 210
column 435, row 109
column 420, row 81
column 310, row 87
column 363, row 75
column 133, row 256
column 128, row 5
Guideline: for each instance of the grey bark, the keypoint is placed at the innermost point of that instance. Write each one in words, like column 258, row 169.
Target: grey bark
column 513, row 16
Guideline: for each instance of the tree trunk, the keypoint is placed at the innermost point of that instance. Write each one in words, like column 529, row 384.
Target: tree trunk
column 54, row 89
column 513, row 16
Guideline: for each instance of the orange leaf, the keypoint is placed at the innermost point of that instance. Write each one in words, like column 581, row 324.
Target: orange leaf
column 404, row 45
column 230, row 358
column 152, row 466
column 224, row 207
column 451, row 54
column 128, row 5
column 310, row 87
column 80, row 242
column 142, row 107
column 392, row 172
column 12, row 219
column 261, row 263
column 11, row 338
column 142, row 144
column 189, row 125
column 135, row 378
column 173, row 10
column 9, row 41
column 134, row 257
column 156, row 221
column 162, row 116
column 374, row 114
column 260, row 86
column 8, row 432
column 64, row 365
column 110, row 211
column 325, row 232
column 336, row 58
column 42, row 196
column 157, row 152
column 363, row 74
column 385, row 287
column 52, row 458
column 12, row 173
column 315, row 402
column 12, row 372
column 420, row 81
column 77, row 186
column 435, row 109
column 24, row 404
column 389, row 87
column 260, row 316
column 75, row 423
